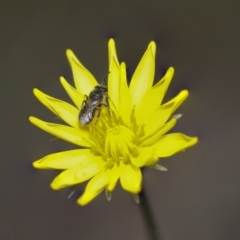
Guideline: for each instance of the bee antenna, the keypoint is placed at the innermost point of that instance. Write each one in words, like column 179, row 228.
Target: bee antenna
column 104, row 79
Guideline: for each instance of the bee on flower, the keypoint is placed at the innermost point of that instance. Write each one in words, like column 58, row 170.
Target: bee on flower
column 129, row 134
column 97, row 98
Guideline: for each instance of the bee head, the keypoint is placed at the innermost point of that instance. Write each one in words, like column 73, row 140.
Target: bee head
column 101, row 88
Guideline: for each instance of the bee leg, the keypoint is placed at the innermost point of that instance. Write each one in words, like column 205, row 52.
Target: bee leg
column 108, row 99
column 99, row 108
column 85, row 100
column 99, row 113
column 106, row 105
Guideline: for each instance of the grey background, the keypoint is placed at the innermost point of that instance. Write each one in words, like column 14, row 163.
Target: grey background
column 198, row 198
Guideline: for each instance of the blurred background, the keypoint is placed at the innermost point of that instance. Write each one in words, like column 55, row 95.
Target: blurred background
column 198, row 198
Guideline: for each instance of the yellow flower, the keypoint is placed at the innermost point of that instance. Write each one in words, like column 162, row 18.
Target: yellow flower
column 128, row 136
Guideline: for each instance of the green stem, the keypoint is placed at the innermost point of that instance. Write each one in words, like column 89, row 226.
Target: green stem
column 148, row 217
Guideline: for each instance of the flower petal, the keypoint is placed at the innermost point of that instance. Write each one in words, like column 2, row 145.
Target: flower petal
column 83, row 79
column 178, row 100
column 69, row 134
column 63, row 110
column 125, row 101
column 113, row 84
column 65, row 160
column 153, row 98
column 78, row 174
column 114, row 175
column 76, row 97
column 130, row 178
column 112, row 53
column 142, row 78
column 158, row 118
column 145, row 156
column 172, row 143
column 152, row 137
column 94, row 187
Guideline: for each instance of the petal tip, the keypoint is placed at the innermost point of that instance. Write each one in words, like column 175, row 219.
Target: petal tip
column 185, row 93
column 111, row 42
column 153, row 47
column 152, row 44
column 123, row 65
column 192, row 141
column 170, row 72
column 69, row 53
column 195, row 140
column 82, row 202
column 71, row 57
column 37, row 164
column 62, row 79
column 31, row 119
column 54, row 186
column 35, row 121
column 36, row 92
column 136, row 191
column 171, row 69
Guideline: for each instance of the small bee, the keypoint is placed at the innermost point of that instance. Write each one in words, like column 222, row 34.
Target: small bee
column 97, row 98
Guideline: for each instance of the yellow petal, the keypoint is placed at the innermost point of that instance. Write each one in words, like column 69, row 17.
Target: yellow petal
column 65, row 160
column 114, row 175
column 172, row 143
column 145, row 156
column 158, row 118
column 153, row 98
column 178, row 100
column 125, row 101
column 112, row 53
column 63, row 110
column 69, row 134
column 130, row 178
column 78, row 174
column 142, row 79
column 152, row 137
column 113, row 84
column 160, row 88
column 151, row 161
column 83, row 79
column 76, row 97
column 94, row 187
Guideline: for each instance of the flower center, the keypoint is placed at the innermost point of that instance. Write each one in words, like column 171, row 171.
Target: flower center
column 119, row 143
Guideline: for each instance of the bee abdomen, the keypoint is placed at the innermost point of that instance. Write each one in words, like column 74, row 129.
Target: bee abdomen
column 86, row 118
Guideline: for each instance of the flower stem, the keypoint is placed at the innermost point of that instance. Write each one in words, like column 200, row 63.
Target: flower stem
column 148, row 217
